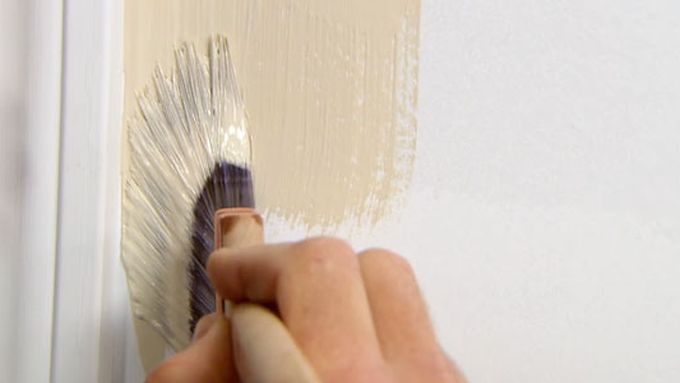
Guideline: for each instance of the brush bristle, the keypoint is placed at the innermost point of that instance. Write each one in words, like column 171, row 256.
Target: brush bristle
column 228, row 186
column 189, row 156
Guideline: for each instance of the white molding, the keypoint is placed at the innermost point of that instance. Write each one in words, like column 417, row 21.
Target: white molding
column 91, row 339
column 39, row 220
column 118, row 355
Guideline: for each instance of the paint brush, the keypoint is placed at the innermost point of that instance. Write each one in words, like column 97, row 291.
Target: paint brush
column 190, row 191
column 189, row 157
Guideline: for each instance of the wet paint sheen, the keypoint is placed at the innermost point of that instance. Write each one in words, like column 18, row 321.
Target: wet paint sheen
column 330, row 88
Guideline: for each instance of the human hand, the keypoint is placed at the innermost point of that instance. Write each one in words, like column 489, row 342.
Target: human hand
column 355, row 317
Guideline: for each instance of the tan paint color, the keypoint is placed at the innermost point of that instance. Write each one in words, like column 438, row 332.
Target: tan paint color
column 330, row 87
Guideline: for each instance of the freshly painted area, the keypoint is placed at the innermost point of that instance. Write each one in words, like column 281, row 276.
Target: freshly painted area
column 330, row 91
column 330, row 88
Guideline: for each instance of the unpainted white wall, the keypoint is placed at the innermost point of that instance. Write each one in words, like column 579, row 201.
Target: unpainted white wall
column 549, row 167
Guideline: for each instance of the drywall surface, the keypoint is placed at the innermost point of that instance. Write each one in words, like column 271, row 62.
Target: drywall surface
column 330, row 88
column 544, row 217
column 543, row 220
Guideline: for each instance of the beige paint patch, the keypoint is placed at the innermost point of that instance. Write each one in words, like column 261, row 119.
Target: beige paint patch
column 330, row 87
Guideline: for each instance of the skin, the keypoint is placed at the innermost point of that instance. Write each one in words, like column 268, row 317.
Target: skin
column 354, row 317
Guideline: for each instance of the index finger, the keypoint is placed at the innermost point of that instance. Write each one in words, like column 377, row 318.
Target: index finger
column 318, row 289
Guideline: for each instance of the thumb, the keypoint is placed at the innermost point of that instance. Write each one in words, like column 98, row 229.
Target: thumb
column 264, row 351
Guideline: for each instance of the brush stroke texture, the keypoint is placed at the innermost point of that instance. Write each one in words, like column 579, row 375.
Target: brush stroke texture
column 330, row 89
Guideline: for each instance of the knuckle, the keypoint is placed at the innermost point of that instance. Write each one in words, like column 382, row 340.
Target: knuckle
column 385, row 259
column 325, row 251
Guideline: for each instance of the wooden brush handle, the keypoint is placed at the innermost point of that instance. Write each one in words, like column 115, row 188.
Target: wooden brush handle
column 264, row 350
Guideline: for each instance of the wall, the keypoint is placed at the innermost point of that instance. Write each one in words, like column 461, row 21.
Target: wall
column 548, row 163
column 542, row 219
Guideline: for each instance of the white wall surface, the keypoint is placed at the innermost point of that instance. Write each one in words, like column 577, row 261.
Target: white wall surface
column 543, row 220
column 549, row 165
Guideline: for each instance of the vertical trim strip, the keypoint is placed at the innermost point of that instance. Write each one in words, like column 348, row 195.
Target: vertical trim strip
column 39, row 222
column 80, row 244
column 118, row 357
